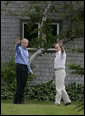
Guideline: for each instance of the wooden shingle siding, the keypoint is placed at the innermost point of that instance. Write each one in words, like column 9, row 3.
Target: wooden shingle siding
column 43, row 65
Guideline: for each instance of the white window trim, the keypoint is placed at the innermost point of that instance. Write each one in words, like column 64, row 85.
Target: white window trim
column 57, row 24
column 23, row 29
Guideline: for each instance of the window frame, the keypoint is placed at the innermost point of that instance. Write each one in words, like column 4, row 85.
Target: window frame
column 53, row 23
column 23, row 28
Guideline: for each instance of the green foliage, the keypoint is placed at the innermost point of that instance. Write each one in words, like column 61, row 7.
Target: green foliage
column 75, row 28
column 75, row 91
column 7, row 90
column 78, row 50
column 8, row 72
column 42, row 92
column 76, row 20
column 47, row 92
column 6, row 3
column 71, row 14
column 76, row 69
column 49, row 39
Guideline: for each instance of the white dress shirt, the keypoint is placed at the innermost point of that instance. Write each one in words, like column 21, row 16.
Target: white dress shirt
column 60, row 60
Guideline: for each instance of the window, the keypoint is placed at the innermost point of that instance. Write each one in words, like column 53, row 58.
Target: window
column 55, row 28
column 31, row 36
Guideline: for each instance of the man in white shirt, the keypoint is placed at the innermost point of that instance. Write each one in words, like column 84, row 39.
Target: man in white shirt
column 60, row 60
column 60, row 74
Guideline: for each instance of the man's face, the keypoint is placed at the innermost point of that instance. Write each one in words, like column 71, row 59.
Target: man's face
column 57, row 48
column 24, row 43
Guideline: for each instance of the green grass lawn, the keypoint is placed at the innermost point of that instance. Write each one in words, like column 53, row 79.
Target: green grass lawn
column 38, row 108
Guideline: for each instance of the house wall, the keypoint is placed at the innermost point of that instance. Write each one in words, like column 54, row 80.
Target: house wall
column 43, row 65
column 11, row 28
column 11, row 24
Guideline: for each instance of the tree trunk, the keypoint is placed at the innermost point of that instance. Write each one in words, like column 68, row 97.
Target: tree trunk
column 44, row 18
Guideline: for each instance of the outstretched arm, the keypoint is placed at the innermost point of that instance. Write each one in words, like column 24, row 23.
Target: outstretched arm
column 17, row 44
column 61, row 44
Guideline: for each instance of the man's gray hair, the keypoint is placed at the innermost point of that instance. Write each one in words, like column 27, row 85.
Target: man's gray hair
column 24, row 39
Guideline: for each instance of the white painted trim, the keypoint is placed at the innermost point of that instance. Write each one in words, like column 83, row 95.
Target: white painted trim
column 57, row 28
column 23, row 29
column 33, row 49
column 57, row 24
column 38, row 30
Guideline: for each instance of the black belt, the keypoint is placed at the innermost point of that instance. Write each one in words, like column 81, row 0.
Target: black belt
column 21, row 64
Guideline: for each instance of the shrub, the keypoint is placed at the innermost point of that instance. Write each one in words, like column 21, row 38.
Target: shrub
column 75, row 91
column 8, row 72
column 78, row 50
column 7, row 90
column 76, row 69
column 43, row 92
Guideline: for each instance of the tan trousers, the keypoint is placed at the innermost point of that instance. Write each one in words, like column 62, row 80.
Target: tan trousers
column 60, row 87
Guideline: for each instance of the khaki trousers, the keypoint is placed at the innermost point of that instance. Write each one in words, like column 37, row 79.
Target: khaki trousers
column 61, row 93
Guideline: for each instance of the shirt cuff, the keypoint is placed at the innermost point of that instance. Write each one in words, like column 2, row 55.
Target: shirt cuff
column 29, row 69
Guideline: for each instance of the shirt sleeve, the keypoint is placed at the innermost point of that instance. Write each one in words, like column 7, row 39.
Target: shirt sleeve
column 27, row 63
column 63, row 48
column 17, row 48
column 64, row 53
column 29, row 68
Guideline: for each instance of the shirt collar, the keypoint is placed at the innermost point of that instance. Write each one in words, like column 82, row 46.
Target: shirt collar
column 59, row 52
column 24, row 48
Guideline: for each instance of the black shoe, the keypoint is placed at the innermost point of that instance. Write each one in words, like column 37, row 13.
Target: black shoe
column 15, row 102
column 20, row 102
column 68, row 103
